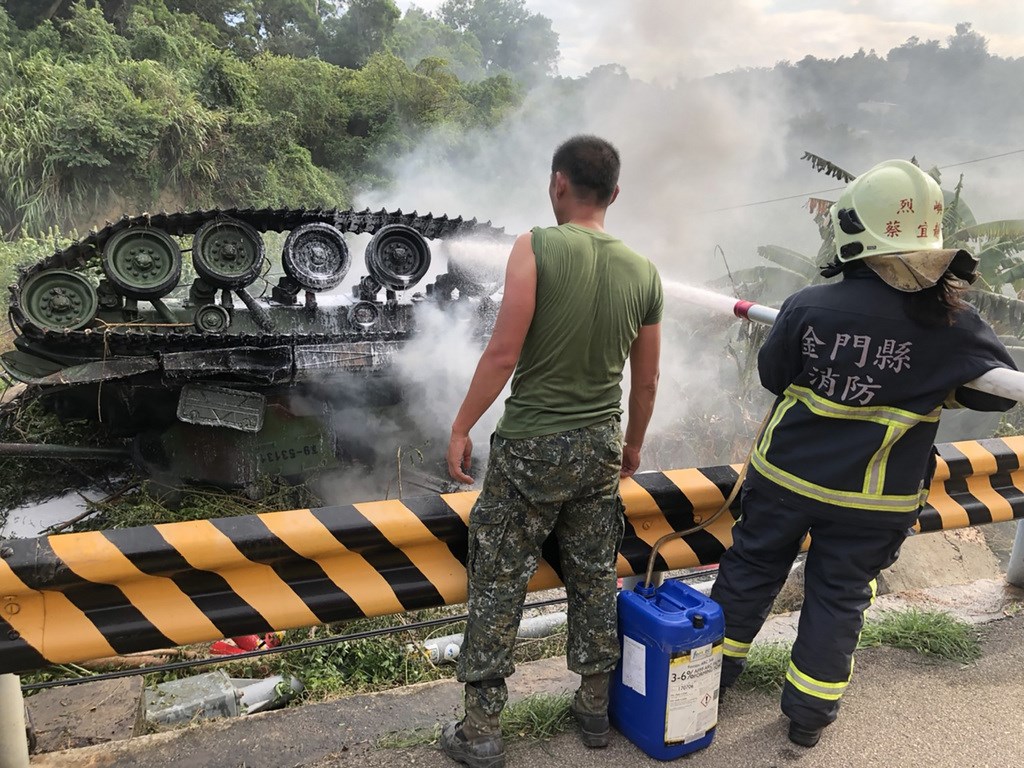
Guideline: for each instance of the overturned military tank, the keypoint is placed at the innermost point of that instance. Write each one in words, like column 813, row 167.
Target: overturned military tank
column 214, row 380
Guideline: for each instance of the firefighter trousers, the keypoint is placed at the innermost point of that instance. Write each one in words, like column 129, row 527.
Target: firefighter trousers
column 843, row 562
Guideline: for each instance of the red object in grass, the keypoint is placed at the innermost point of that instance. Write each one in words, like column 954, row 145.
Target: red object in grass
column 244, row 643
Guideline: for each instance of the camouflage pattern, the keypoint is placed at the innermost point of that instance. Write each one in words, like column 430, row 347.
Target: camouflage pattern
column 568, row 483
column 483, row 706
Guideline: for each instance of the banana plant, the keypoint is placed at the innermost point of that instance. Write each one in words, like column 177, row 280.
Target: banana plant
column 999, row 292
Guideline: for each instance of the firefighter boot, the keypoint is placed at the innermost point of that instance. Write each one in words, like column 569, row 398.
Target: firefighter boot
column 590, row 708
column 805, row 737
column 476, row 739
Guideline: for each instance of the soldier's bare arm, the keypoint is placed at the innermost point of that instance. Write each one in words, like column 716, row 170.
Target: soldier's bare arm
column 644, row 357
column 499, row 357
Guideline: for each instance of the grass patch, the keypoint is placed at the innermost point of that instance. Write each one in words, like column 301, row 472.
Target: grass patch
column 540, row 716
column 930, row 633
column 132, row 500
column 151, row 503
column 766, row 668
column 416, row 737
column 387, row 661
column 537, row 717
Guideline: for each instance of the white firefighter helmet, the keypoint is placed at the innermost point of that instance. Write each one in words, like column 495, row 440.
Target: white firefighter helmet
column 891, row 216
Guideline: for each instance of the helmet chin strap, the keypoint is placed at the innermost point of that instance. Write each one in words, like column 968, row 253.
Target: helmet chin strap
column 833, row 268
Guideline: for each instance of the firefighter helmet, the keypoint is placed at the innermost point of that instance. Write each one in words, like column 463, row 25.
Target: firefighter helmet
column 891, row 216
column 893, row 208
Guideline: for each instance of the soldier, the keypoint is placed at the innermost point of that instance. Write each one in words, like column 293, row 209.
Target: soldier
column 861, row 369
column 577, row 302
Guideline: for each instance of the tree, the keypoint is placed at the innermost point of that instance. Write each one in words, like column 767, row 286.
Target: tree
column 511, row 38
column 968, row 43
column 364, row 29
column 29, row 13
column 419, row 35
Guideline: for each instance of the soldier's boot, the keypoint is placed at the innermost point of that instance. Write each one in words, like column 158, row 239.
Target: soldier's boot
column 476, row 739
column 590, row 709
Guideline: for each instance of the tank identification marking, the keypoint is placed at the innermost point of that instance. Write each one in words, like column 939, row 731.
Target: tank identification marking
column 283, row 454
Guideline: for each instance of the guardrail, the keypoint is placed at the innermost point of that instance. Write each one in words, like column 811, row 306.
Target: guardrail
column 79, row 596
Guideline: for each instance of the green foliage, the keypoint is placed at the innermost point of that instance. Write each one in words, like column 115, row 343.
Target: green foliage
column 226, row 83
column 363, row 31
column 89, row 37
column 493, row 98
column 536, row 717
column 766, row 668
column 143, row 104
column 20, row 253
column 148, row 503
column 512, row 39
column 540, row 716
column 418, row 35
column 930, row 633
column 356, row 666
column 317, row 96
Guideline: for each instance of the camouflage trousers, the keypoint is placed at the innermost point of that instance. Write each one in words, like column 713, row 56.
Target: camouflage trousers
column 566, row 483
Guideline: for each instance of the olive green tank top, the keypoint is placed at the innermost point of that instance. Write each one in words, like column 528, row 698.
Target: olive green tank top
column 593, row 294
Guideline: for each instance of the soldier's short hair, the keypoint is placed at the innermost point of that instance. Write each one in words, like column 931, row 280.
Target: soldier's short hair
column 591, row 165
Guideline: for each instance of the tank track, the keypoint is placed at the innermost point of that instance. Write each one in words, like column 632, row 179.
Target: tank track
column 127, row 341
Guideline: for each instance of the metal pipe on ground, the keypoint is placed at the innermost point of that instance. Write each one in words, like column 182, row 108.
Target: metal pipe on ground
column 46, row 450
column 1015, row 568
column 13, row 740
column 448, row 647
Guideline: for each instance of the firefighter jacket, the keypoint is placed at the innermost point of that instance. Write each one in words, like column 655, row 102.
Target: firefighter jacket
column 860, row 386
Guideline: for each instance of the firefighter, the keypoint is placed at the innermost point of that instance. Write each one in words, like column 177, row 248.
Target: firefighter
column 861, row 369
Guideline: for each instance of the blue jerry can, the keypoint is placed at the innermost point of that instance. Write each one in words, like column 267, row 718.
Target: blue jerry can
column 664, row 696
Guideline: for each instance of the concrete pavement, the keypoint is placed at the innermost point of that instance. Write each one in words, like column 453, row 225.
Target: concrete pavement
column 901, row 710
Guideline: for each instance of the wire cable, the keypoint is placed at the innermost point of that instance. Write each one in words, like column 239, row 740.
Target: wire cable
column 370, row 633
column 365, row 635
column 836, row 189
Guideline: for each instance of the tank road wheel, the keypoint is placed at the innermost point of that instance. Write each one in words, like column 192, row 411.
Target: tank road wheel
column 142, row 263
column 364, row 314
column 316, row 256
column 59, row 300
column 397, row 257
column 212, row 318
column 228, row 253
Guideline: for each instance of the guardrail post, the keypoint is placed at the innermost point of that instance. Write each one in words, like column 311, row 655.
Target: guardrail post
column 13, row 742
column 1015, row 570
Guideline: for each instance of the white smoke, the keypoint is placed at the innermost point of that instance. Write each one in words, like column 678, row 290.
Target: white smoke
column 700, row 160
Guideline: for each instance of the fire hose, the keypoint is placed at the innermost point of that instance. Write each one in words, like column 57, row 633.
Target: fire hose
column 1002, row 382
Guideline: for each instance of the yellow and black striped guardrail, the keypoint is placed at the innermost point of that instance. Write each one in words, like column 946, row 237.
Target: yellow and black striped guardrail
column 79, row 596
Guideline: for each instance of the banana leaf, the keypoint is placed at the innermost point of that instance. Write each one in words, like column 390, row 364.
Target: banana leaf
column 765, row 284
column 1011, row 230
column 1004, row 313
column 821, row 165
column 789, row 259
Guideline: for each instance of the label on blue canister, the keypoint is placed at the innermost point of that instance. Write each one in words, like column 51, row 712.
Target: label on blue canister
column 692, row 703
column 634, row 665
